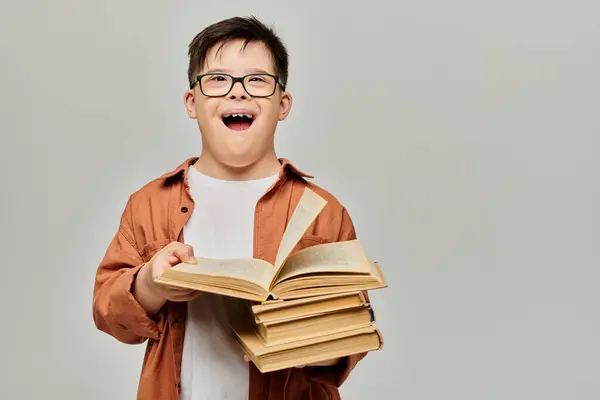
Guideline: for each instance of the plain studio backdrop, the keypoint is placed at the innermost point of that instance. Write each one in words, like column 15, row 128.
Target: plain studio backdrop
column 462, row 136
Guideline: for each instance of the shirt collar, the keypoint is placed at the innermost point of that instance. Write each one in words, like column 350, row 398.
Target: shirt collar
column 286, row 168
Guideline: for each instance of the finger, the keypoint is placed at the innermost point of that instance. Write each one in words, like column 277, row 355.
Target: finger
column 185, row 253
column 161, row 262
column 194, row 295
column 325, row 363
column 179, row 291
column 181, row 297
column 182, row 251
column 172, row 291
column 246, row 358
column 173, row 259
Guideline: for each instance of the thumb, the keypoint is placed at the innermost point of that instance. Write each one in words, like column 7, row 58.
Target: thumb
column 172, row 259
column 185, row 253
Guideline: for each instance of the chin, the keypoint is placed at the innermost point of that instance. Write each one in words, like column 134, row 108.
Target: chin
column 237, row 163
column 238, row 148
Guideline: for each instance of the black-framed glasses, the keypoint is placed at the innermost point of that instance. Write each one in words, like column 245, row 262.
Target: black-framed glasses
column 256, row 85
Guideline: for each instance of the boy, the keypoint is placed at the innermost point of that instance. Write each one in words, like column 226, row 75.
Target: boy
column 233, row 201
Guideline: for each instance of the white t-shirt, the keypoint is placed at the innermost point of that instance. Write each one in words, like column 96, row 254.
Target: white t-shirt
column 221, row 226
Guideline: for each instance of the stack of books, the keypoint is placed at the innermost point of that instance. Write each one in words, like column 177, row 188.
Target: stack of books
column 286, row 334
column 309, row 306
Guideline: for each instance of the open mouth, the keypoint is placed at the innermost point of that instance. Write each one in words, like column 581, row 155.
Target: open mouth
column 238, row 122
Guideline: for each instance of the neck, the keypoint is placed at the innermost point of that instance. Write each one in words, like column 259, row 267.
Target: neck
column 264, row 167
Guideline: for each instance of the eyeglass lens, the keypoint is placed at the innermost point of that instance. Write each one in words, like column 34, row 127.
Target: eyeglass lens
column 220, row 84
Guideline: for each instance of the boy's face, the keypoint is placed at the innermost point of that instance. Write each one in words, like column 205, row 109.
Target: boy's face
column 231, row 141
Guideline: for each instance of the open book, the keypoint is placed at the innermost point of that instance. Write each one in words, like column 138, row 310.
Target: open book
column 318, row 270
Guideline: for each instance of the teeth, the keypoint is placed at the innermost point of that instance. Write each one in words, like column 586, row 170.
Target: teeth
column 239, row 115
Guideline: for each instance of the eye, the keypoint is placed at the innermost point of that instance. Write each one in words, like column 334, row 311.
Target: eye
column 257, row 78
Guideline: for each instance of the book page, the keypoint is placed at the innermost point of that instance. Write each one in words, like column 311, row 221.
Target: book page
column 252, row 270
column 306, row 212
column 340, row 257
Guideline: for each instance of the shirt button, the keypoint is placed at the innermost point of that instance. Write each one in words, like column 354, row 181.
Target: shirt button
column 184, row 209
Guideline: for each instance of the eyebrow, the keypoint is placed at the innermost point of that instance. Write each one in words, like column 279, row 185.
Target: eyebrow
column 259, row 71
column 227, row 71
column 217, row 71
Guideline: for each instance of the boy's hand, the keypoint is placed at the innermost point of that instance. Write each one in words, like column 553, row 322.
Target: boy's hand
column 327, row 363
column 152, row 296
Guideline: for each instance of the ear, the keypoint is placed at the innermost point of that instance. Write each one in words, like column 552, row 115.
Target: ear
column 285, row 105
column 190, row 103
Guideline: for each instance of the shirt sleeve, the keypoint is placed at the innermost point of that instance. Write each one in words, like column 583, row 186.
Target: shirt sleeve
column 335, row 375
column 115, row 310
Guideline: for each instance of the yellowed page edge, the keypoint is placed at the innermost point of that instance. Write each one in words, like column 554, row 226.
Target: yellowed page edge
column 351, row 345
column 320, row 291
column 309, row 310
column 277, row 304
column 278, row 341
column 254, row 344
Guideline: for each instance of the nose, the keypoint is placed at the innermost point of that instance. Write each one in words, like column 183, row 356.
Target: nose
column 238, row 92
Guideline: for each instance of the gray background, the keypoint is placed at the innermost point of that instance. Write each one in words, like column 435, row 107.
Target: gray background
column 461, row 135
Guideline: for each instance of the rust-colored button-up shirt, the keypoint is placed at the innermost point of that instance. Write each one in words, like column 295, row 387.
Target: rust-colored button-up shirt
column 154, row 216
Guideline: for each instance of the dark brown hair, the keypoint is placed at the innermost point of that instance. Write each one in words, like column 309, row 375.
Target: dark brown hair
column 248, row 29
